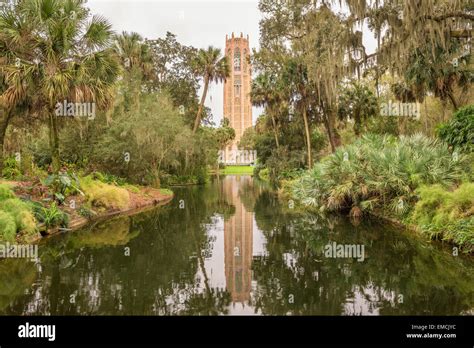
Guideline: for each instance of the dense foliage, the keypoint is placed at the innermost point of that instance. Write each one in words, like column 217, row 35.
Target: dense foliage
column 459, row 131
column 336, row 86
column 387, row 176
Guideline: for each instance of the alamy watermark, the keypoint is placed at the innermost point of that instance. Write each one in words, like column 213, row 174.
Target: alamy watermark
column 37, row 331
column 19, row 251
column 400, row 109
column 70, row 109
column 354, row 251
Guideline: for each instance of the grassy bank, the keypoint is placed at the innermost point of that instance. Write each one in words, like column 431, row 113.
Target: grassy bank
column 412, row 179
column 236, row 170
column 31, row 209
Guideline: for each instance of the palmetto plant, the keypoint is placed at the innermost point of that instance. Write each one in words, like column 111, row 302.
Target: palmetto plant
column 56, row 49
column 211, row 67
column 378, row 171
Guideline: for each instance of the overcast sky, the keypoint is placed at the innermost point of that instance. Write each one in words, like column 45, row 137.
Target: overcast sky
column 195, row 22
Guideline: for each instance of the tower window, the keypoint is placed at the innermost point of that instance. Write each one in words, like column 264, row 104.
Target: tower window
column 237, row 59
column 237, row 86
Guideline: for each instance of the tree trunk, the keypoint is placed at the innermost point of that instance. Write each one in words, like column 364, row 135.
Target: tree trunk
column 308, row 137
column 4, row 121
column 425, row 116
column 197, row 122
column 357, row 125
column 54, row 141
column 453, row 100
column 329, row 132
column 275, row 131
column 334, row 138
column 377, row 73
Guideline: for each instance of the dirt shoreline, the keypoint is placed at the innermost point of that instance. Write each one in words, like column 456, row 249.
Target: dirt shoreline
column 77, row 222
column 139, row 200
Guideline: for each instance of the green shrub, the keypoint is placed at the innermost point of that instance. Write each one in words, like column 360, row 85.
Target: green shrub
column 264, row 174
column 6, row 192
column 459, row 131
column 63, row 185
column 7, row 227
column 201, row 176
column 51, row 216
column 109, row 179
column 86, row 212
column 256, row 170
column 282, row 161
column 11, row 169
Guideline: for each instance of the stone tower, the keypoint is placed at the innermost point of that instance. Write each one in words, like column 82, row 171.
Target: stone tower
column 237, row 105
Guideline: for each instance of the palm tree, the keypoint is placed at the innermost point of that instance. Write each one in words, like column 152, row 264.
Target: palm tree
column 137, row 62
column 296, row 77
column 265, row 92
column 134, row 52
column 357, row 102
column 64, row 55
column 13, row 88
column 213, row 68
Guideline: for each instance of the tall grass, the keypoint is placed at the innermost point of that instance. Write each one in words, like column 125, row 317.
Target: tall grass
column 16, row 216
column 105, row 196
column 447, row 215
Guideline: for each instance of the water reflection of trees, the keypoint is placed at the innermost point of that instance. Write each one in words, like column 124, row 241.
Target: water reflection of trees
column 17, row 276
column 159, row 276
column 295, row 277
column 165, row 272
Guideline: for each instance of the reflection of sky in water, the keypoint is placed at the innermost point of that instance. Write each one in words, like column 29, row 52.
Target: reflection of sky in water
column 365, row 301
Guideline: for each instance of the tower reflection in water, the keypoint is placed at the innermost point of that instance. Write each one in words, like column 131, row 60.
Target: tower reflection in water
column 238, row 243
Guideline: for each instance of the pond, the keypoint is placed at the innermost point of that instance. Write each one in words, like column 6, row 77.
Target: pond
column 231, row 247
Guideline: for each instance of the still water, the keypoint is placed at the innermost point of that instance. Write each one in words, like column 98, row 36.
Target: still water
column 231, row 247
